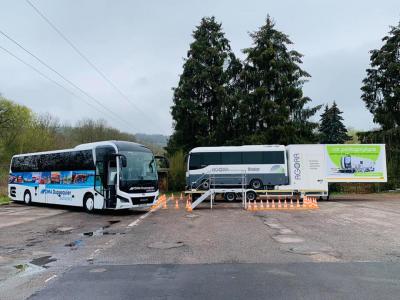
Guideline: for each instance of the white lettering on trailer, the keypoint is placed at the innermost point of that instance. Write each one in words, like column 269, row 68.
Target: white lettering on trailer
column 296, row 165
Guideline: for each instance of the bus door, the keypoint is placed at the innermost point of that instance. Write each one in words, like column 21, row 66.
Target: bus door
column 112, row 181
column 106, row 172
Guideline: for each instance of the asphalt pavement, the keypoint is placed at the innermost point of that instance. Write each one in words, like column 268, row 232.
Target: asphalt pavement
column 229, row 281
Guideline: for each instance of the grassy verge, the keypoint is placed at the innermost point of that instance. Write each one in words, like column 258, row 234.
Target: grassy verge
column 4, row 200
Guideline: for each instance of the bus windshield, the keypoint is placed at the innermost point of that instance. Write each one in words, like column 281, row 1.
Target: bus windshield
column 140, row 166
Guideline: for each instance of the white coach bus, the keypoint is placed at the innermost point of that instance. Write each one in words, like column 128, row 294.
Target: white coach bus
column 101, row 175
column 261, row 166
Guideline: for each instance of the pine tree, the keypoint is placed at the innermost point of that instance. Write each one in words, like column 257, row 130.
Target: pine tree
column 272, row 106
column 202, row 106
column 381, row 89
column 332, row 129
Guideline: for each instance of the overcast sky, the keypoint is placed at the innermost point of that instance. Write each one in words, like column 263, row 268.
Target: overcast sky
column 140, row 46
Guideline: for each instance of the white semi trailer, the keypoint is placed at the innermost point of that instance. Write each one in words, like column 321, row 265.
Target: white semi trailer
column 304, row 169
column 312, row 167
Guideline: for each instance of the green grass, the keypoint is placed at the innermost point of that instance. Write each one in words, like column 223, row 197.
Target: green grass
column 4, row 200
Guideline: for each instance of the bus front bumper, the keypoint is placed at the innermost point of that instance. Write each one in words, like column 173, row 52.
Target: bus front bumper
column 137, row 201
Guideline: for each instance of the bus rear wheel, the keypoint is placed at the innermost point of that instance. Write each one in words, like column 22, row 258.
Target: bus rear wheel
column 27, row 198
column 88, row 204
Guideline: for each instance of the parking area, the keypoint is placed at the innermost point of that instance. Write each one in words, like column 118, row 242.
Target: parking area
column 358, row 232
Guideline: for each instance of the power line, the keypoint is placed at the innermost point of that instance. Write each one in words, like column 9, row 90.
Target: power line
column 50, row 79
column 84, row 57
column 63, row 77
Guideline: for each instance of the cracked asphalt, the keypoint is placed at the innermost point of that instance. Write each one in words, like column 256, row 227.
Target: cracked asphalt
column 352, row 242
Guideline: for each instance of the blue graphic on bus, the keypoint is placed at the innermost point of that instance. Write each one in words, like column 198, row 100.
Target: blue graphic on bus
column 54, row 179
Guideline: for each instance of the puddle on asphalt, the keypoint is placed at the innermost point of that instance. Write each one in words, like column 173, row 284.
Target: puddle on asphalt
column 100, row 232
column 103, row 230
column 114, row 222
column 43, row 261
column 165, row 245
column 74, row 244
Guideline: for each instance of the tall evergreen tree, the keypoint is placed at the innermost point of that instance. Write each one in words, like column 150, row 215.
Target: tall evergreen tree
column 272, row 108
column 381, row 89
column 332, row 129
column 202, row 108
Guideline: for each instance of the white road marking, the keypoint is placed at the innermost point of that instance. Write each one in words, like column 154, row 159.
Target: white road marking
column 134, row 223
column 137, row 221
column 50, row 278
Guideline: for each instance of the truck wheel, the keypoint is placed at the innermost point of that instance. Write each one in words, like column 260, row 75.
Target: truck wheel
column 251, row 196
column 27, row 198
column 230, row 197
column 256, row 184
column 88, row 204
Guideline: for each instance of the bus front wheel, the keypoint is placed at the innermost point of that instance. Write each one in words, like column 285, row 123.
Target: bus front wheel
column 27, row 198
column 88, row 204
column 256, row 184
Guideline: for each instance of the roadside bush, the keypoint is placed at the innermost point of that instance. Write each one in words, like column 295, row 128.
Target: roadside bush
column 177, row 171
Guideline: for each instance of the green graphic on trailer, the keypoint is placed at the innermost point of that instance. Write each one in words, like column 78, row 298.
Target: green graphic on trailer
column 355, row 160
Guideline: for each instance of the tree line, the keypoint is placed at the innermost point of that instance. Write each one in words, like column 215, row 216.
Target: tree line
column 221, row 100
column 23, row 131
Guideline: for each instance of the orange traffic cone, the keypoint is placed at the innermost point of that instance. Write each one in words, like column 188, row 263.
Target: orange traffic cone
column 261, row 205
column 285, row 204
column 176, row 204
column 279, row 202
column 273, row 204
column 255, row 207
column 189, row 205
column 305, row 202
column 291, row 203
column 298, row 203
column 267, row 205
column 164, row 201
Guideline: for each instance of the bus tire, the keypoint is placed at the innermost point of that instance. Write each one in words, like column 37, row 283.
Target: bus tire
column 88, row 203
column 251, row 196
column 230, row 197
column 205, row 185
column 27, row 197
column 256, row 184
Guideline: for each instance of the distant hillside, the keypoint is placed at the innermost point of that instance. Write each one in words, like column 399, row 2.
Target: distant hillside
column 154, row 139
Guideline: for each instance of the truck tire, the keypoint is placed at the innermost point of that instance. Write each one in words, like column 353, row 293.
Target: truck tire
column 251, row 196
column 230, row 197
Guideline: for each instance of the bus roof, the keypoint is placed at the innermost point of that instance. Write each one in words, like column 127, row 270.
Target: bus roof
column 244, row 148
column 87, row 146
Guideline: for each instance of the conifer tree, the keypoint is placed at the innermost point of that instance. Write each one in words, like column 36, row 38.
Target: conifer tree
column 202, row 108
column 272, row 107
column 381, row 89
column 332, row 129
